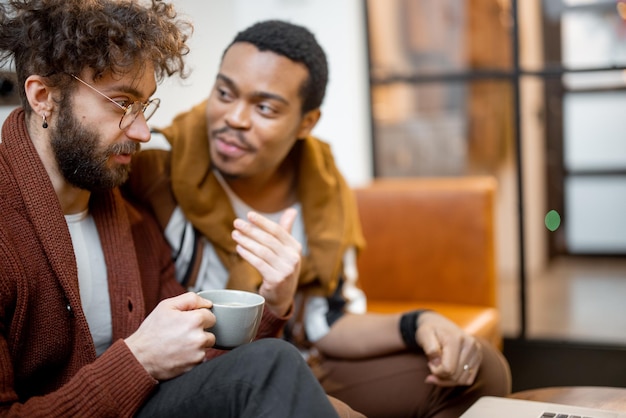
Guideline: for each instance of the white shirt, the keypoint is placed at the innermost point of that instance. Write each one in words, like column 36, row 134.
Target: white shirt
column 92, row 278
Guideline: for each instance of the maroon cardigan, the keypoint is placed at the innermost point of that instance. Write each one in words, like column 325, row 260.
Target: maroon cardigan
column 48, row 364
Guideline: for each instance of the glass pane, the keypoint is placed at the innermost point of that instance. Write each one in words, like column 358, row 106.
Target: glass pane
column 592, row 32
column 594, row 129
column 442, row 129
column 595, row 208
column 425, row 37
column 593, row 36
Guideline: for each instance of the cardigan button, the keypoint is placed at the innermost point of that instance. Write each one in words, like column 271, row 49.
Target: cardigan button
column 69, row 307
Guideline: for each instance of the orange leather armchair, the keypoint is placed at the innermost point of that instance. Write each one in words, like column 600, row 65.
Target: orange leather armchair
column 430, row 244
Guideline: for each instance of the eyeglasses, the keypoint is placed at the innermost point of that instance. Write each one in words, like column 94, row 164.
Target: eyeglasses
column 131, row 111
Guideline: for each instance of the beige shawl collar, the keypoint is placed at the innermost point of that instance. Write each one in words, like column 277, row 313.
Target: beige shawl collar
column 328, row 205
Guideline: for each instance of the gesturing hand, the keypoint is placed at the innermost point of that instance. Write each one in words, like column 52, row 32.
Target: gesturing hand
column 271, row 249
column 172, row 339
column 454, row 356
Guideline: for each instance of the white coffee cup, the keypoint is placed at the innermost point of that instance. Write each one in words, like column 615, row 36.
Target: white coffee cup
column 237, row 316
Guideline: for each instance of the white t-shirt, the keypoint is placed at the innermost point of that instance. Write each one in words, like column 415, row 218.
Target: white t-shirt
column 92, row 278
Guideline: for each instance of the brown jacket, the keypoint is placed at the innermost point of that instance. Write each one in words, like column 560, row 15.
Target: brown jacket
column 48, row 364
column 47, row 356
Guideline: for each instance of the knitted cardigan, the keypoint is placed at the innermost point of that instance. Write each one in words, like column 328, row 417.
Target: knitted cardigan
column 48, row 364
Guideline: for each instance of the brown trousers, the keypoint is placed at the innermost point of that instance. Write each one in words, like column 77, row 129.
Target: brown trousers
column 393, row 386
column 343, row 409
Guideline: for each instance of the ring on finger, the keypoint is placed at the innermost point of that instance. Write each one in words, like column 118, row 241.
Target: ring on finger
column 466, row 367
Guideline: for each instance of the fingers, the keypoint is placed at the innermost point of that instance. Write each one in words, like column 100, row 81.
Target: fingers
column 267, row 245
column 432, row 348
column 461, row 367
column 194, row 308
column 272, row 235
column 259, row 239
column 275, row 253
column 471, row 364
column 288, row 219
column 454, row 356
column 468, row 361
column 173, row 337
column 188, row 301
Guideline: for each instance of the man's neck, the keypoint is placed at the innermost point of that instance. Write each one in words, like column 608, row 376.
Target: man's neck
column 72, row 199
column 268, row 193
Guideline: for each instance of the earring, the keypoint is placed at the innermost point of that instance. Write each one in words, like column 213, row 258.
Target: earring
column 45, row 122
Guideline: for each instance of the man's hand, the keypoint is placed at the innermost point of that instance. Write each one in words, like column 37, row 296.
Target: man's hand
column 172, row 339
column 271, row 249
column 453, row 355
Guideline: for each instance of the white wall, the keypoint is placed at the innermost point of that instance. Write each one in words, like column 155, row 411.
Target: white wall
column 340, row 28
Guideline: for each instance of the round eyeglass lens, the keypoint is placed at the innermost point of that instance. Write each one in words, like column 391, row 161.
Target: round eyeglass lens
column 132, row 111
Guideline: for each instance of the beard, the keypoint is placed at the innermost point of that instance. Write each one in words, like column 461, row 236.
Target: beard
column 82, row 162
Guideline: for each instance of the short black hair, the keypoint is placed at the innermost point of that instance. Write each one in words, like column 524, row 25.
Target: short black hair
column 299, row 45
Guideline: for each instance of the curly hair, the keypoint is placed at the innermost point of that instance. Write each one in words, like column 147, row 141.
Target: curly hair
column 299, row 45
column 53, row 38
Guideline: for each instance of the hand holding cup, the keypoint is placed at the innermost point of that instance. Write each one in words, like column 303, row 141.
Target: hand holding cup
column 237, row 316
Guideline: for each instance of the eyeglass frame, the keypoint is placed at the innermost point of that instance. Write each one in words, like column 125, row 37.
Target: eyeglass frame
column 131, row 109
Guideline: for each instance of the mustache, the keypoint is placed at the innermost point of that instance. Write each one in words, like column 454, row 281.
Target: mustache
column 233, row 132
column 129, row 147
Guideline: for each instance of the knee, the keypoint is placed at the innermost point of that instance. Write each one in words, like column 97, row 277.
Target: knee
column 495, row 373
column 276, row 351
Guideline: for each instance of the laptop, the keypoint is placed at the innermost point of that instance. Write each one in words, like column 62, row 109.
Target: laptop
column 492, row 407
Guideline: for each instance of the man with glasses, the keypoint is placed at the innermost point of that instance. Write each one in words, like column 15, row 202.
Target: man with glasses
column 92, row 320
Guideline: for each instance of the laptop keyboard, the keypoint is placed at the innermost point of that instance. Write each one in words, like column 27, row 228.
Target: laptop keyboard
column 557, row 415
